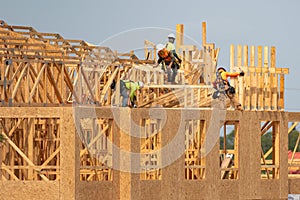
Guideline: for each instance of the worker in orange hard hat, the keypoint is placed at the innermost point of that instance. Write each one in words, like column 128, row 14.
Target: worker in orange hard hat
column 230, row 90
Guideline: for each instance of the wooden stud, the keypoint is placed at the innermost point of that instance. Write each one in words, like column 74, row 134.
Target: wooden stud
column 274, row 81
column 247, row 81
column 179, row 36
column 232, row 63
column 267, row 92
column 203, row 34
column 253, row 79
column 260, row 77
column 239, row 81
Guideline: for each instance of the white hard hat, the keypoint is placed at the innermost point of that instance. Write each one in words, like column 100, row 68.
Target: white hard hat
column 141, row 84
column 171, row 35
column 160, row 47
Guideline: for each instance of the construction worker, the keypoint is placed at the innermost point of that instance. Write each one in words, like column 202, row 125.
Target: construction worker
column 171, row 47
column 128, row 91
column 230, row 91
column 168, row 61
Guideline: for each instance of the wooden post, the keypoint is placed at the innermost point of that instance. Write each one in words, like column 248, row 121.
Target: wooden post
column 246, row 80
column 253, row 79
column 260, row 78
column 267, row 90
column 231, row 61
column 179, row 36
column 29, row 132
column 281, row 92
column 276, row 150
column 236, row 147
column 239, row 81
column 274, row 80
column 203, row 34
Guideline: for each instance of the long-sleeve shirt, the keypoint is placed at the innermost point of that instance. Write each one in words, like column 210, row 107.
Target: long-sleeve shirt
column 225, row 75
column 132, row 87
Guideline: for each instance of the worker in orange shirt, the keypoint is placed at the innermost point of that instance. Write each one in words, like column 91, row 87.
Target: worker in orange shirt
column 230, row 90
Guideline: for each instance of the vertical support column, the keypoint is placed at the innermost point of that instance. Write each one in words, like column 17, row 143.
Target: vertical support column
column 62, row 85
column 172, row 173
column 29, row 132
column 136, row 129
column 281, row 92
column 79, row 84
column 125, row 159
column 267, row 91
column 69, row 156
column 179, row 36
column 236, row 147
column 97, row 90
column 260, row 78
column 240, row 80
column 231, row 61
column 203, row 34
column 282, row 147
column 253, row 78
column 246, row 80
column 273, row 80
column 212, row 153
column 276, row 149
column 249, row 163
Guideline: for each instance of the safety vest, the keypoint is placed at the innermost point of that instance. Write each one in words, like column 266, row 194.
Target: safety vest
column 165, row 54
column 170, row 46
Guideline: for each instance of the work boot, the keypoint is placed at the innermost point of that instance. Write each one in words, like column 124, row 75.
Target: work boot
column 239, row 107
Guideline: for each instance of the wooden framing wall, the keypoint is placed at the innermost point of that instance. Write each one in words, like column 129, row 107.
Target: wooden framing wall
column 74, row 179
column 262, row 87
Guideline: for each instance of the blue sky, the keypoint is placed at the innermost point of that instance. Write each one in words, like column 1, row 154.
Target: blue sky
column 256, row 22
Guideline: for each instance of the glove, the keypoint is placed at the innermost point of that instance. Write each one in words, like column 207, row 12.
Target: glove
column 242, row 73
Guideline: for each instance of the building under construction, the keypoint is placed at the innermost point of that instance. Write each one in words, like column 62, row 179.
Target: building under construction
column 66, row 136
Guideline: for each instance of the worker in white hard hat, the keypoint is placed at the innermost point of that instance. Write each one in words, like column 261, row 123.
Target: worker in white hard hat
column 171, row 47
column 128, row 91
column 168, row 61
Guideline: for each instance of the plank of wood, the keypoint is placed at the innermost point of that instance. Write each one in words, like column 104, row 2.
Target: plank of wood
column 267, row 89
column 260, row 77
column 253, row 79
column 37, row 81
column 53, row 83
column 274, row 81
column 23, row 73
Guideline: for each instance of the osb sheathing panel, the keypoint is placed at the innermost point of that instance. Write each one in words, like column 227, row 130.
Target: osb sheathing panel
column 173, row 184
column 294, row 186
column 96, row 190
column 69, row 156
column 33, row 190
column 27, row 112
column 272, row 189
column 249, row 156
column 151, row 188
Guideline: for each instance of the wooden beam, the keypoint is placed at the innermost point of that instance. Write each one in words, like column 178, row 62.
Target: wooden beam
column 37, row 81
column 21, row 153
column 53, row 83
column 274, row 81
column 23, row 73
column 203, row 34
column 179, row 36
